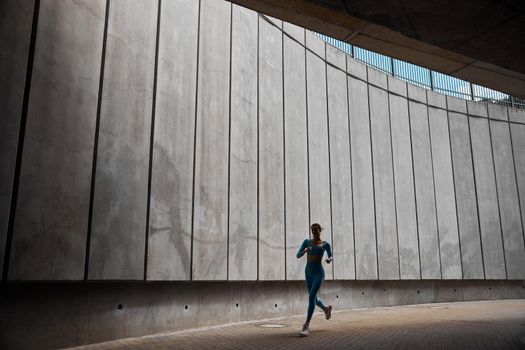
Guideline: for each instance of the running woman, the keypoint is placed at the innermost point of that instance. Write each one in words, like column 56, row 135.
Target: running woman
column 314, row 273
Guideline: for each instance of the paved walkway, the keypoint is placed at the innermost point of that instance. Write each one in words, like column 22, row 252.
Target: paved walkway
column 467, row 325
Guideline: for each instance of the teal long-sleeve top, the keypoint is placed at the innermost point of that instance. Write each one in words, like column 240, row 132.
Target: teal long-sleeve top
column 315, row 249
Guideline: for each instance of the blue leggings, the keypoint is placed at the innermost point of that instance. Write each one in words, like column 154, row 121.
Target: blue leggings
column 314, row 273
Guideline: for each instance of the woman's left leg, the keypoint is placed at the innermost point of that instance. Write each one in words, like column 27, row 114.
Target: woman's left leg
column 312, row 296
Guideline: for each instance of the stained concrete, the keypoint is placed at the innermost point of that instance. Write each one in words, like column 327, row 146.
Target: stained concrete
column 15, row 35
column 263, row 163
column 424, row 188
column 318, row 152
column 404, row 188
column 491, row 239
column 362, row 186
column 50, row 229
column 169, row 232
column 445, row 195
column 385, row 205
column 296, row 156
column 271, row 155
column 340, row 169
column 467, row 209
column 511, row 224
column 121, row 180
column 210, row 218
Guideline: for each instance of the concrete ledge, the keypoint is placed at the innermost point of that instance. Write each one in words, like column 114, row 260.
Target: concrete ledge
column 54, row 315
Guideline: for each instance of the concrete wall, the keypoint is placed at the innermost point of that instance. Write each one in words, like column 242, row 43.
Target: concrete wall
column 185, row 140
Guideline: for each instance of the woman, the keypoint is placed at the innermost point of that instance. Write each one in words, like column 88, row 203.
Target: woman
column 314, row 273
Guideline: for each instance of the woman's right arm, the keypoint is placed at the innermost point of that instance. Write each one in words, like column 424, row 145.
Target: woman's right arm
column 302, row 250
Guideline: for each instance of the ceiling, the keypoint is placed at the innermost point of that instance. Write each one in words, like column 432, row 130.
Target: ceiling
column 481, row 41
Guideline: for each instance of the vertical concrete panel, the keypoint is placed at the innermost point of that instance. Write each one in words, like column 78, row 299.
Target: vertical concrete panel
column 458, row 104
column 210, row 230
column 417, row 93
column 517, row 132
column 516, row 115
column 424, row 184
column 169, row 241
column 497, row 111
column 487, row 199
column 50, row 230
column 294, row 31
column 437, row 99
column 508, row 200
column 319, row 161
column 404, row 189
column 387, row 245
column 445, row 195
column 474, row 108
column 297, row 219
column 356, row 68
column 341, row 174
column 15, row 35
column 467, row 211
column 314, row 43
column 242, row 250
column 397, row 86
column 121, row 183
column 271, row 155
column 363, row 190
column 377, row 78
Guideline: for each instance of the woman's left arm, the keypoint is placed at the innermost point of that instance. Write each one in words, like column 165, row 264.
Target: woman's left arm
column 328, row 249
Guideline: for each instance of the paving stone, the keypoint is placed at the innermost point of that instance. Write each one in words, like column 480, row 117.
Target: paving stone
column 495, row 324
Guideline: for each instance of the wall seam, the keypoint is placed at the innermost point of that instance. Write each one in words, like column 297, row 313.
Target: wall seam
column 361, row 79
column 373, row 179
column 393, row 181
column 95, row 143
column 229, row 147
column 329, row 157
column 21, row 136
column 497, row 195
column 152, row 136
column 258, row 204
column 414, row 185
column 307, row 132
column 454, row 188
column 195, row 138
column 476, row 194
column 284, row 156
column 434, row 189
column 351, row 167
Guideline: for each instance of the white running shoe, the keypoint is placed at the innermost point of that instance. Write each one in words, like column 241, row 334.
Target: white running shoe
column 305, row 331
column 328, row 312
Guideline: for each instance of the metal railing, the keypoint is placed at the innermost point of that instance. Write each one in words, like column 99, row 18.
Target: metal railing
column 425, row 77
